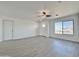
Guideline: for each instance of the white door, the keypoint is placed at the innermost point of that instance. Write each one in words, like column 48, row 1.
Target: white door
column 7, row 30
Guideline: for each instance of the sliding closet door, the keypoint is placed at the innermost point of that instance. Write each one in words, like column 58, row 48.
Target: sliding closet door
column 7, row 29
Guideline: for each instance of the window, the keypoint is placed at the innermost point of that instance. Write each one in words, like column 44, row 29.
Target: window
column 68, row 27
column 58, row 28
column 64, row 27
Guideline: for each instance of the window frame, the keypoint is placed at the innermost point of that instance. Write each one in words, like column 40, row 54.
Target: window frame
column 62, row 26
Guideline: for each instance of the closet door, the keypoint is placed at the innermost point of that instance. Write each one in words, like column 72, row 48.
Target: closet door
column 7, row 29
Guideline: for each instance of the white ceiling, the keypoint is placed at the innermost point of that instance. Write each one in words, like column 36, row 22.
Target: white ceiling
column 28, row 10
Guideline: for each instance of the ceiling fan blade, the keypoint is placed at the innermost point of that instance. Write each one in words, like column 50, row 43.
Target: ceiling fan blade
column 48, row 15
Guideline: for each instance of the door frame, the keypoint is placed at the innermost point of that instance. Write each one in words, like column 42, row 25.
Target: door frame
column 3, row 29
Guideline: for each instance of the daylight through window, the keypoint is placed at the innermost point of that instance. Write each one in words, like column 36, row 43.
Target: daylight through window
column 64, row 27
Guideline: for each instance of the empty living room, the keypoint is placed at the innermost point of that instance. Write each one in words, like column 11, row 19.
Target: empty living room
column 39, row 28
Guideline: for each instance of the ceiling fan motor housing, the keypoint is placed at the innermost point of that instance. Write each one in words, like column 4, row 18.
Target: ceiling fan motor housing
column 44, row 13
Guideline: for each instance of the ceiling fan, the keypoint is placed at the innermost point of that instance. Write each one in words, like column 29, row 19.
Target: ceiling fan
column 44, row 13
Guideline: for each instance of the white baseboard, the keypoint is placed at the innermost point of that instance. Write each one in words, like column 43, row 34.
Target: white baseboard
column 64, row 39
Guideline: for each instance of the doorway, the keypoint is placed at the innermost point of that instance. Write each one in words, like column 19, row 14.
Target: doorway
column 7, row 29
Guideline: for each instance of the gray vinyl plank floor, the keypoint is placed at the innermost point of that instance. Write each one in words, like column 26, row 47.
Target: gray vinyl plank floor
column 39, row 47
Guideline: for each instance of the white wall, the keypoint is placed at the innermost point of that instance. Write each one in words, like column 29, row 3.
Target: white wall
column 24, row 29
column 49, row 29
column 38, row 28
column 0, row 29
column 44, row 30
column 21, row 28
